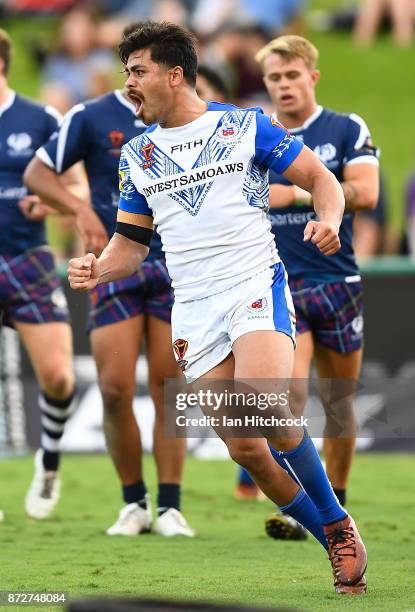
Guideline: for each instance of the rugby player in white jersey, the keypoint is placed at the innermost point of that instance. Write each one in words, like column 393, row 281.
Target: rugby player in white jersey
column 200, row 174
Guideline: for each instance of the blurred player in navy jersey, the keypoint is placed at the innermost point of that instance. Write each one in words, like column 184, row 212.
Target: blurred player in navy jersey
column 200, row 174
column 327, row 291
column 122, row 313
column 31, row 297
column 210, row 85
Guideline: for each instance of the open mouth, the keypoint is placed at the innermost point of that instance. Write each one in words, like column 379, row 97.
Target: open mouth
column 137, row 101
column 287, row 99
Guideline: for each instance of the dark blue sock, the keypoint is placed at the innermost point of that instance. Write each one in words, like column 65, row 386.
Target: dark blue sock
column 304, row 512
column 306, row 465
column 168, row 497
column 244, row 477
column 135, row 494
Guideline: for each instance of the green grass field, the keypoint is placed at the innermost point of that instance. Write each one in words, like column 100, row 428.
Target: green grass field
column 230, row 560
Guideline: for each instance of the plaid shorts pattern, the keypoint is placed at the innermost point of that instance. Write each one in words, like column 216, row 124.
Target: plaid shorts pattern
column 30, row 289
column 148, row 292
column 333, row 312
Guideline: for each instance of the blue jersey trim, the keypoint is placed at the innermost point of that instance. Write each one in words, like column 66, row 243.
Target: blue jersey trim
column 136, row 206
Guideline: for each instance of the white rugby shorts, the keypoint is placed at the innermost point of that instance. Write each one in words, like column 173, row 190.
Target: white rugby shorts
column 203, row 331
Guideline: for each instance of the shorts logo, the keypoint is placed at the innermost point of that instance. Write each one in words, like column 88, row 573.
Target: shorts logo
column 180, row 348
column 147, row 151
column 258, row 305
column 357, row 324
column 227, row 131
column 58, row 299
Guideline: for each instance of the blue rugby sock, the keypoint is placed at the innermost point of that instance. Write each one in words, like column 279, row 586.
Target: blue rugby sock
column 245, row 478
column 302, row 509
column 306, row 466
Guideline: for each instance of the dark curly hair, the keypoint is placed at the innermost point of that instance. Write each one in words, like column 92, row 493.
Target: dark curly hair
column 169, row 44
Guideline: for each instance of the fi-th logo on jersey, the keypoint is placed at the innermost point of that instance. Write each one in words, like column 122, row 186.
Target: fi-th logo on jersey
column 20, row 144
column 116, row 138
column 180, row 347
column 186, row 146
column 258, row 305
column 147, row 151
column 227, row 131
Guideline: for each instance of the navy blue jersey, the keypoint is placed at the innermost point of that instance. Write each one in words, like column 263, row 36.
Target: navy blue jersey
column 338, row 140
column 94, row 132
column 24, row 126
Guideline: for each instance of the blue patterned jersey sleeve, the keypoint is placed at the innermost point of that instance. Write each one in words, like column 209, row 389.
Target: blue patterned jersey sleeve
column 275, row 147
column 131, row 200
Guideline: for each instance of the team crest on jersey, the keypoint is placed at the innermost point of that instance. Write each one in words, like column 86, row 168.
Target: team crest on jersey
column 147, row 151
column 20, row 144
column 326, row 152
column 116, row 138
column 180, row 347
column 227, row 131
column 258, row 305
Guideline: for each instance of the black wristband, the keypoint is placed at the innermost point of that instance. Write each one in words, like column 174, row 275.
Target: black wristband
column 142, row 235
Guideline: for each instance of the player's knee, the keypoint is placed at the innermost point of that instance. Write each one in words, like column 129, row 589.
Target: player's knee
column 156, row 387
column 246, row 453
column 116, row 395
column 58, row 383
column 298, row 398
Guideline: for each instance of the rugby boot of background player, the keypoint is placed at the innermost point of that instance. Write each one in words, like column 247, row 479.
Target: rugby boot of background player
column 284, row 527
column 132, row 520
column 44, row 491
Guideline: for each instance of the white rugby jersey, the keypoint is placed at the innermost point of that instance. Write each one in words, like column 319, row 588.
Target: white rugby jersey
column 206, row 186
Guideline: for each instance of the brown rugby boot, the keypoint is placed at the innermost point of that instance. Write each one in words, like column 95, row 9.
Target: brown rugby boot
column 355, row 589
column 346, row 552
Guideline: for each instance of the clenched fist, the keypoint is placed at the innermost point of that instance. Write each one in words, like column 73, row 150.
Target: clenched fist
column 324, row 235
column 83, row 272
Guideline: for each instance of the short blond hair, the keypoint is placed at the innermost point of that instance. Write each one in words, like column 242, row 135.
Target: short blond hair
column 290, row 47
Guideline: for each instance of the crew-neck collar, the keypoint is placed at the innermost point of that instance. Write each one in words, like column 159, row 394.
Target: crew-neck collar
column 307, row 122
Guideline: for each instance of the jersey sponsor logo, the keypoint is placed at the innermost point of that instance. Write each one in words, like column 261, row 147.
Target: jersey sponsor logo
column 292, row 218
column 258, row 305
column 20, row 144
column 180, row 347
column 194, row 177
column 186, row 146
column 12, row 193
column 116, row 138
column 227, row 131
column 147, row 151
column 326, row 152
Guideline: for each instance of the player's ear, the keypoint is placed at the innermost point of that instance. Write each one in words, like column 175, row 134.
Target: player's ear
column 176, row 76
column 315, row 76
column 2, row 66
